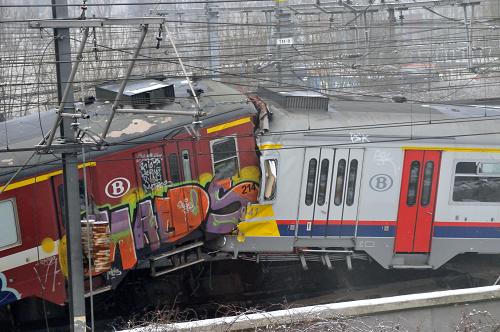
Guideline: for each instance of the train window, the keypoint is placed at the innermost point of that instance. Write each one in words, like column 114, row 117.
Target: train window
column 224, row 157
column 186, row 166
column 351, row 182
column 271, row 171
column 339, row 185
column 311, row 181
column 323, row 179
column 488, row 168
column 9, row 236
column 411, row 197
column 477, row 182
column 427, row 183
column 466, row 168
column 173, row 167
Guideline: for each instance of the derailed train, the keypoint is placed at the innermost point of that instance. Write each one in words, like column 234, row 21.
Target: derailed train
column 286, row 177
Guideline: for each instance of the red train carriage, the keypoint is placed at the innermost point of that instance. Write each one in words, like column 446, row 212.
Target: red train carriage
column 161, row 187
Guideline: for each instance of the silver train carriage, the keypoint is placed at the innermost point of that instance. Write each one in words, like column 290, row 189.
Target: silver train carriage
column 409, row 185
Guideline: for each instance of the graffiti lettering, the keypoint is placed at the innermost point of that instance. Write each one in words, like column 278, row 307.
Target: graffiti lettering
column 151, row 172
column 146, row 227
column 121, row 235
column 382, row 158
column 359, row 138
column 47, row 264
column 7, row 295
column 113, row 273
column 168, row 218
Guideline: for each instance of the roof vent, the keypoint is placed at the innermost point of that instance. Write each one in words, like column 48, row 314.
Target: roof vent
column 142, row 93
column 296, row 99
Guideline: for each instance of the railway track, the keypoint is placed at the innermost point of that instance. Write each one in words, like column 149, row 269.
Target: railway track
column 216, row 290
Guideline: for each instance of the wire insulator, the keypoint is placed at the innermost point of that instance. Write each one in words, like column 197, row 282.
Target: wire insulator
column 159, row 38
column 94, row 42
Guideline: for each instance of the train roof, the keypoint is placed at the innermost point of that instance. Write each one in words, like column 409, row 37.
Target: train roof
column 368, row 121
column 220, row 102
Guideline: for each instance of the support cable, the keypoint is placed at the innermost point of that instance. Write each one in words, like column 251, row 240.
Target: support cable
column 89, row 246
column 144, row 31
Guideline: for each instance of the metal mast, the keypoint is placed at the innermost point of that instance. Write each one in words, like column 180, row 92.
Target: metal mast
column 70, row 172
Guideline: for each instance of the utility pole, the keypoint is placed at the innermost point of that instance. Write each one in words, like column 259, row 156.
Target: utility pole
column 68, row 144
column 284, row 36
column 72, row 224
column 213, row 39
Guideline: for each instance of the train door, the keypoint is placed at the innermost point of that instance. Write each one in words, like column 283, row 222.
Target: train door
column 322, row 198
column 344, row 193
column 417, row 201
column 308, row 191
column 329, row 195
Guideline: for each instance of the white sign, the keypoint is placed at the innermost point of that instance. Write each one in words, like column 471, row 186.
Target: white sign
column 284, row 41
column 117, row 187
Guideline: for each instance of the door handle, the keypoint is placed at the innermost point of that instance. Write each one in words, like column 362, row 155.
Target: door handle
column 430, row 213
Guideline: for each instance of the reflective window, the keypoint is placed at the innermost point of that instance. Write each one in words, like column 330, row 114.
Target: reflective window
column 339, row 185
column 9, row 235
column 477, row 182
column 488, row 168
column 466, row 168
column 351, row 182
column 271, row 173
column 225, row 157
column 427, row 184
column 173, row 167
column 311, row 181
column 411, row 197
column 323, row 179
column 186, row 166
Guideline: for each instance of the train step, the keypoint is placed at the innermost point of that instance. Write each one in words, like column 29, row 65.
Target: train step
column 411, row 261
column 415, row 267
column 177, row 259
column 98, row 291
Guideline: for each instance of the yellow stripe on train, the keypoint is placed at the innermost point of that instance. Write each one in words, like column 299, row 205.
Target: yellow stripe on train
column 227, row 125
column 41, row 178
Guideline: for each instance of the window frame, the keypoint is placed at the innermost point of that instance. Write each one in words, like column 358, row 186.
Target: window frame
column 264, row 180
column 454, row 174
column 351, row 184
column 18, row 228
column 339, row 188
column 186, row 165
column 322, row 194
column 313, row 178
column 418, row 179
column 426, row 191
column 168, row 160
column 212, row 154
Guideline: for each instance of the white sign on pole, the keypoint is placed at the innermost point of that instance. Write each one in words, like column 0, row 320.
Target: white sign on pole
column 284, row 41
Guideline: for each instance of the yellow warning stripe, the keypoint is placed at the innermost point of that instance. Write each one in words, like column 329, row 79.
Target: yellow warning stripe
column 451, row 149
column 228, row 125
column 40, row 178
column 270, row 146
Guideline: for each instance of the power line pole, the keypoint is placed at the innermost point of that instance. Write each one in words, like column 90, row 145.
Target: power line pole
column 213, row 39
column 70, row 173
column 283, row 35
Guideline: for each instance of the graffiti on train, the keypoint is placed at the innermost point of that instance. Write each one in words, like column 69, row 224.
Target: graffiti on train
column 171, row 215
column 7, row 295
